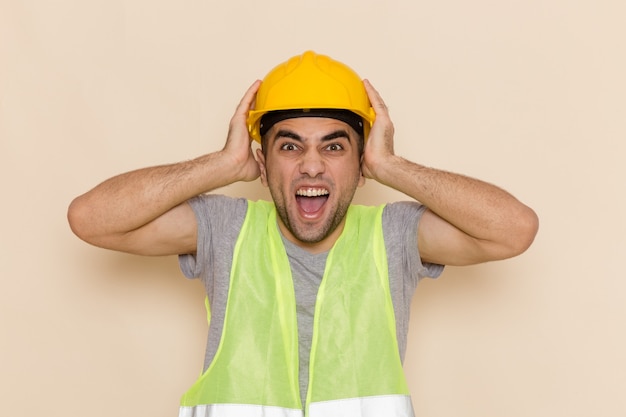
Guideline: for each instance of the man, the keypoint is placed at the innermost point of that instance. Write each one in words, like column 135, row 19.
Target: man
column 308, row 294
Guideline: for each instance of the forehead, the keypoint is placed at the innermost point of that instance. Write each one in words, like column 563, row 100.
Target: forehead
column 312, row 127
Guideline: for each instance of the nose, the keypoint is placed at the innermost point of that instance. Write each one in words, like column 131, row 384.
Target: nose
column 312, row 163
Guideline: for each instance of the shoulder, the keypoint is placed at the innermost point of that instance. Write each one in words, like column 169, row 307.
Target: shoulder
column 217, row 214
column 395, row 216
column 402, row 213
column 400, row 226
column 217, row 205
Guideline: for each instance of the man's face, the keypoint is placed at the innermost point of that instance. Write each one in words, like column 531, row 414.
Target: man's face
column 312, row 168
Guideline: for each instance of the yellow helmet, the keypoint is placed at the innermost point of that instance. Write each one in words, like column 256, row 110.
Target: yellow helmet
column 311, row 81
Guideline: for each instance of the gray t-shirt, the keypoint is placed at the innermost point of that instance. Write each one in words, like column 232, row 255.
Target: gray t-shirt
column 219, row 221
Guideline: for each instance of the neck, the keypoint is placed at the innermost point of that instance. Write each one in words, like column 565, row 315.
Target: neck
column 314, row 248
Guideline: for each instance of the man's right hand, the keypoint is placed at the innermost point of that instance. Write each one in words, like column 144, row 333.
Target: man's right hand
column 238, row 141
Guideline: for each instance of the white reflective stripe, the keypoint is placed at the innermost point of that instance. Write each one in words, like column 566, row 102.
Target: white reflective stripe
column 377, row 406
column 238, row 410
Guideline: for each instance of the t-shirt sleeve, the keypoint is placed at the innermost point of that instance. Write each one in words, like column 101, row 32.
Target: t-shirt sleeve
column 401, row 220
column 219, row 220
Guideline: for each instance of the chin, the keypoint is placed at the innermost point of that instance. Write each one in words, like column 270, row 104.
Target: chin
column 312, row 237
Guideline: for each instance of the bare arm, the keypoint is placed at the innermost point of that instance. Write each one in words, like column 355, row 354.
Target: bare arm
column 144, row 211
column 468, row 221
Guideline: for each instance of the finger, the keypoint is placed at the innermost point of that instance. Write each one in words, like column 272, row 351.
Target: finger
column 248, row 98
column 377, row 101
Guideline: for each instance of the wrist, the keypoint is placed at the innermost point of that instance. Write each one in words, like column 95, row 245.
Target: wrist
column 387, row 170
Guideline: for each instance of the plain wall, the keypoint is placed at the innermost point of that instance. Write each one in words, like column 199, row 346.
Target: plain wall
column 529, row 95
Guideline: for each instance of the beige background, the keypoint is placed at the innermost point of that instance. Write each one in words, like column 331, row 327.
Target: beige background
column 530, row 95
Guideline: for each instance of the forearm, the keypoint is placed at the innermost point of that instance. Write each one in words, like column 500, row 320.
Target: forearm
column 129, row 201
column 488, row 214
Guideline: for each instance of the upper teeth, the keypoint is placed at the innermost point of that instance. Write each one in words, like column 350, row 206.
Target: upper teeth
column 312, row 192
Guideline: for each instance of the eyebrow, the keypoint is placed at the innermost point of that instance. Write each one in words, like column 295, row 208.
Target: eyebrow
column 287, row 134
column 341, row 133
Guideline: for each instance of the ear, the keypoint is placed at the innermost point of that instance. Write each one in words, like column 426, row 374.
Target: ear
column 260, row 157
column 361, row 179
column 361, row 182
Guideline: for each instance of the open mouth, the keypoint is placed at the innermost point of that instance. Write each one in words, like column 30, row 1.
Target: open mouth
column 311, row 200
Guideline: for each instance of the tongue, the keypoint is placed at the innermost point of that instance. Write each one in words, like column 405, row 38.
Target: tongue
column 311, row 204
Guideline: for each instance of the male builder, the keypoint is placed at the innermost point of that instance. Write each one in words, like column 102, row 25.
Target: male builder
column 308, row 294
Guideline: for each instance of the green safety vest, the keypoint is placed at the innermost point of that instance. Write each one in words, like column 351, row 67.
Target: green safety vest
column 355, row 367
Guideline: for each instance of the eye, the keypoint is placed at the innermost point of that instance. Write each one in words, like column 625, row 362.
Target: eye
column 288, row 147
column 334, row 147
